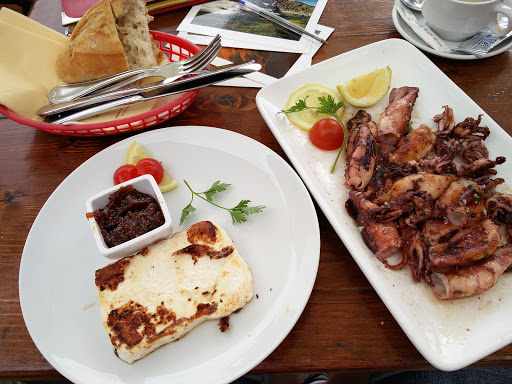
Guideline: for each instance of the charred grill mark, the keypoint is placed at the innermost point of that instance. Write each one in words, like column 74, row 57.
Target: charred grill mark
column 112, row 275
column 416, row 184
column 202, row 232
column 126, row 323
column 368, row 156
column 198, row 250
column 132, row 323
column 163, row 315
column 224, row 324
column 466, row 247
column 204, row 309
column 195, row 250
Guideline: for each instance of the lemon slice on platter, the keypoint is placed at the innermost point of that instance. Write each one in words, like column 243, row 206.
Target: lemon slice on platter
column 137, row 152
column 307, row 118
column 368, row 89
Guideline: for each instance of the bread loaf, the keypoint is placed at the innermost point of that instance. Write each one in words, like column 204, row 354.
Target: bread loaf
column 112, row 36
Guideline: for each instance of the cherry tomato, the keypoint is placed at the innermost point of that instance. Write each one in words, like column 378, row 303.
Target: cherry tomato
column 152, row 167
column 327, row 134
column 124, row 173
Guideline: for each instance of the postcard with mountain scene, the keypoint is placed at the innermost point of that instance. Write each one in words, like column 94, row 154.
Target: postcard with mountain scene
column 230, row 20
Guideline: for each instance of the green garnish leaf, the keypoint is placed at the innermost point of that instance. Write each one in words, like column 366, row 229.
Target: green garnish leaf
column 238, row 213
column 186, row 211
column 328, row 106
column 216, row 187
column 299, row 106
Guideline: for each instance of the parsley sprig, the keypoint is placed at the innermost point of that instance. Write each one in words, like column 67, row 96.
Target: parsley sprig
column 238, row 213
column 327, row 106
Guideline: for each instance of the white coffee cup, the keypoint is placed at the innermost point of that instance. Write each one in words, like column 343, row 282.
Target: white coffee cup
column 457, row 20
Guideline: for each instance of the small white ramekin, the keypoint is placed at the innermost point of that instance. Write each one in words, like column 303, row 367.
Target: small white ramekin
column 145, row 184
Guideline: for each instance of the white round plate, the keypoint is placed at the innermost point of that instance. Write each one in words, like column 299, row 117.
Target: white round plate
column 409, row 35
column 59, row 299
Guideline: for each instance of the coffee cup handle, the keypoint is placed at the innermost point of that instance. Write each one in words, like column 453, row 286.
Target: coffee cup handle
column 493, row 25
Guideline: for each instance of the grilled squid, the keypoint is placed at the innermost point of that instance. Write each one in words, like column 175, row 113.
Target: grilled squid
column 480, row 168
column 363, row 117
column 361, row 157
column 437, row 228
column 427, row 197
column 470, row 129
column 471, row 150
column 467, row 210
column 411, row 208
column 414, row 146
column 499, row 207
column 414, row 252
column 382, row 238
column 445, row 122
column 393, row 122
column 472, row 280
column 431, row 183
column 467, row 246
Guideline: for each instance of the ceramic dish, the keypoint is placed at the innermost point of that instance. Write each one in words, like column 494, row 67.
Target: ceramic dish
column 145, row 184
column 449, row 334
column 59, row 299
column 409, row 35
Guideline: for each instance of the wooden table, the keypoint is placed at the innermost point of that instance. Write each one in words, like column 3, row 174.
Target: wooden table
column 345, row 326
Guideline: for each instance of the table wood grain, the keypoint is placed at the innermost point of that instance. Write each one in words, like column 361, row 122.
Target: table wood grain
column 345, row 326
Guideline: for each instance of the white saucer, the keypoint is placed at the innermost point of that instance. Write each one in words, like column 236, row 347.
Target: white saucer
column 409, row 35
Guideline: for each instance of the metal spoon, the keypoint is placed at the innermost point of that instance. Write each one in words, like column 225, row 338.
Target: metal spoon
column 413, row 4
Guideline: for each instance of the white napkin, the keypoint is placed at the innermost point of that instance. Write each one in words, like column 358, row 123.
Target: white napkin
column 27, row 63
column 423, row 31
column 29, row 51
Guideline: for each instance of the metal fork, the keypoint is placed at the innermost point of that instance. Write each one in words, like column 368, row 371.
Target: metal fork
column 173, row 70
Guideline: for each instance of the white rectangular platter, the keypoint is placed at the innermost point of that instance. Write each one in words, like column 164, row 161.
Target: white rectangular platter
column 449, row 334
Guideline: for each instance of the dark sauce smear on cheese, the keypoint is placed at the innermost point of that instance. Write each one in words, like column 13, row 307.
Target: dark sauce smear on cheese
column 128, row 214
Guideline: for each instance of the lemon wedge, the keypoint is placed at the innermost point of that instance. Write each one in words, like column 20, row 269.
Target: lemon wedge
column 307, row 118
column 137, row 152
column 368, row 89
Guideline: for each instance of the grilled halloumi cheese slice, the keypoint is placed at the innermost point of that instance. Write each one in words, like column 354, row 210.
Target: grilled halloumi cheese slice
column 158, row 295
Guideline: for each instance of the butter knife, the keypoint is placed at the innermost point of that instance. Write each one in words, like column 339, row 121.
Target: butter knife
column 149, row 90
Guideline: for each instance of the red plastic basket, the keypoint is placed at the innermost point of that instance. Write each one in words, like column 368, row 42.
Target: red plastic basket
column 176, row 49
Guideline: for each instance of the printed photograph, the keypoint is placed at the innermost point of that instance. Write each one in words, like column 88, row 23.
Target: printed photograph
column 230, row 16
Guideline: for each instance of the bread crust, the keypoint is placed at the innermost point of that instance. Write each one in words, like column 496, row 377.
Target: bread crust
column 95, row 50
column 122, row 9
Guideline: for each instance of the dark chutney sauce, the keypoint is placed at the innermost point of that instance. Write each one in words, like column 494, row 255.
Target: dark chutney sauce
column 128, row 214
